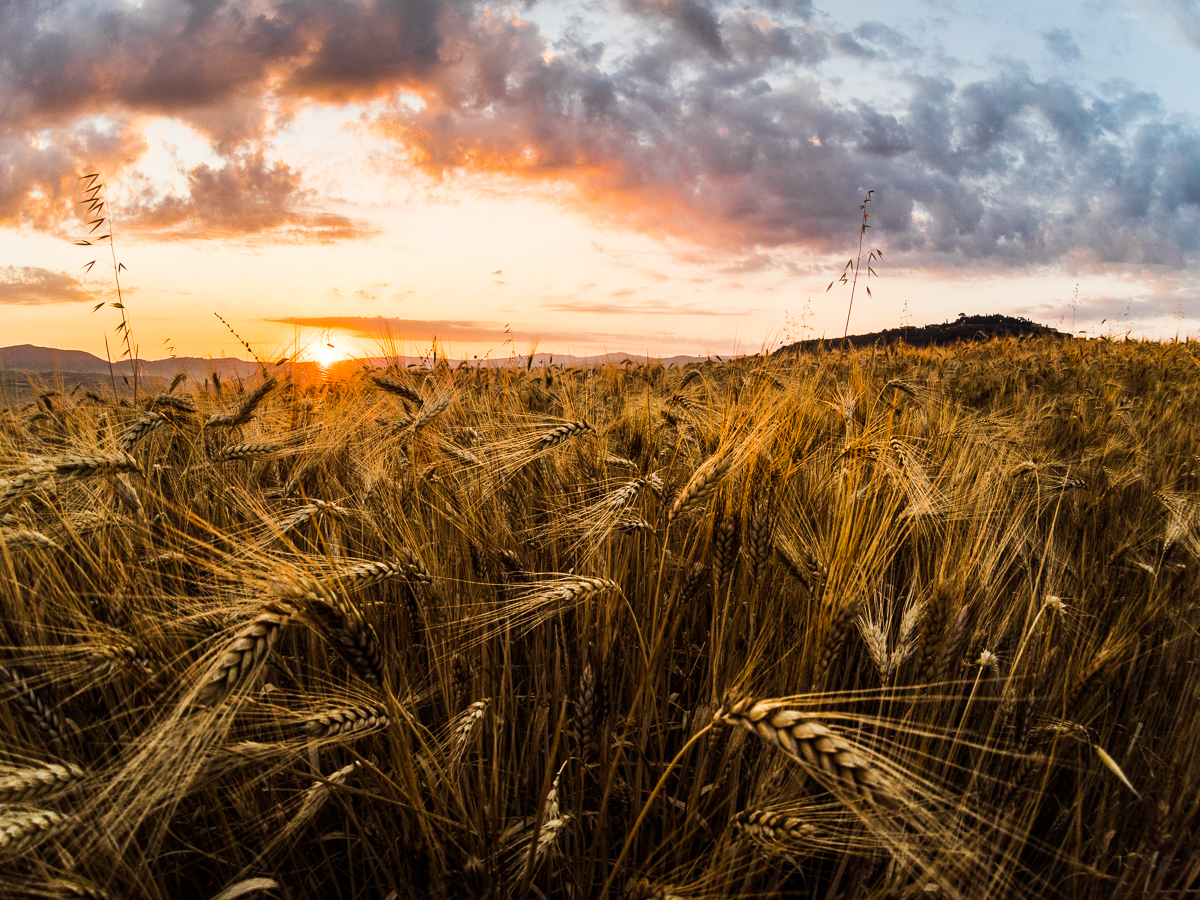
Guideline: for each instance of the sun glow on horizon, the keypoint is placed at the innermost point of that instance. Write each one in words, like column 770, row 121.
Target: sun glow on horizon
column 328, row 351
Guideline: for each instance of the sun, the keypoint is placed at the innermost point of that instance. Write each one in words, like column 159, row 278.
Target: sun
column 328, row 352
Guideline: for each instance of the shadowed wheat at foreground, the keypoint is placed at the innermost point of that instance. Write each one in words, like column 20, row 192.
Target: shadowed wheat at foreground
column 887, row 624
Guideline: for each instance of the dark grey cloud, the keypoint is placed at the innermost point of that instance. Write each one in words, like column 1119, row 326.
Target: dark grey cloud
column 712, row 123
column 248, row 194
column 895, row 42
column 690, row 18
column 30, row 286
column 845, row 43
column 1009, row 170
column 1116, row 310
column 211, row 64
column 1061, row 44
column 177, row 57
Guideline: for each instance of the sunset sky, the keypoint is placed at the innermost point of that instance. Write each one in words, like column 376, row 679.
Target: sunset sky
column 651, row 176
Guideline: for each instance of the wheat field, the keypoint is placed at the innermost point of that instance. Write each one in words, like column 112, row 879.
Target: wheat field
column 888, row 624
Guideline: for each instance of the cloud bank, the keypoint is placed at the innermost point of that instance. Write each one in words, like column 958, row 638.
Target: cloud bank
column 385, row 329
column 710, row 122
column 31, row 285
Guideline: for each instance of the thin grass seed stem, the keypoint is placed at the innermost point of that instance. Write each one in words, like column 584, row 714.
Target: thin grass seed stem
column 547, row 778
column 646, row 807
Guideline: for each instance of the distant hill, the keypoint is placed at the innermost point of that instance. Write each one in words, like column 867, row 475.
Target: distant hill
column 963, row 329
column 29, row 358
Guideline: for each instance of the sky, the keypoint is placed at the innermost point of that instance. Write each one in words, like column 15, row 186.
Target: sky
column 341, row 177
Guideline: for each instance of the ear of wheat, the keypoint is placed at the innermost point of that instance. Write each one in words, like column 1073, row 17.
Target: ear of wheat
column 243, row 655
column 830, row 757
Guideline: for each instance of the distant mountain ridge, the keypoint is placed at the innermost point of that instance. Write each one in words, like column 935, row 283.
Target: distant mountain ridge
column 43, row 360
column 30, row 358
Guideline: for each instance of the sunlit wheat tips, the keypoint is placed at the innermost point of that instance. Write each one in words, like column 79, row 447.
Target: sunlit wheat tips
column 538, row 602
column 139, row 429
column 399, row 388
column 245, row 410
column 699, row 487
column 555, row 436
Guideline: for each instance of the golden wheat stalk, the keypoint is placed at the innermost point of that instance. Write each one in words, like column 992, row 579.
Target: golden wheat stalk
column 699, row 487
column 170, row 401
column 353, row 720
column 252, row 450
column 399, row 388
column 25, row 539
column 25, row 483
column 342, row 625
column 87, row 466
column 245, row 411
column 25, row 785
column 31, row 703
column 244, row 654
column 561, row 434
column 774, row 827
column 825, row 754
column 365, row 574
column 429, row 412
column 139, row 429
column 21, row 829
